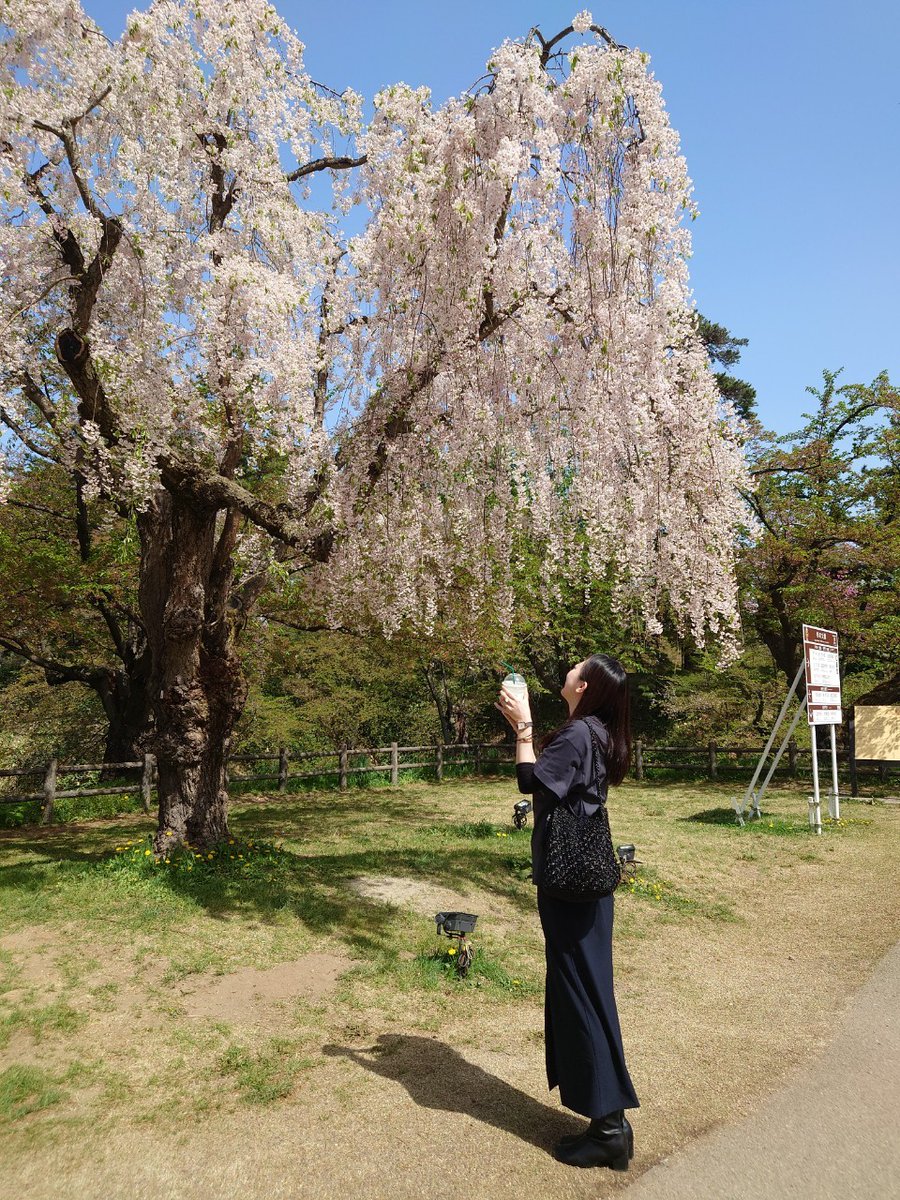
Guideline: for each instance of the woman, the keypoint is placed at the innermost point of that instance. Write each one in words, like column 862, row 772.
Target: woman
column 583, row 1041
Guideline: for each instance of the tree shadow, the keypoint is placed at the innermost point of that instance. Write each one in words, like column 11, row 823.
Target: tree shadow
column 313, row 881
column 713, row 816
column 438, row 1077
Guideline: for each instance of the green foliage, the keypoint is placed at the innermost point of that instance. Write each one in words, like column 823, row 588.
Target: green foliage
column 827, row 551
column 733, row 707
column 315, row 690
column 723, row 349
column 38, row 721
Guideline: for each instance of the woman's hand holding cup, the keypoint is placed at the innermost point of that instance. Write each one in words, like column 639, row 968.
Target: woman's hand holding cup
column 515, row 708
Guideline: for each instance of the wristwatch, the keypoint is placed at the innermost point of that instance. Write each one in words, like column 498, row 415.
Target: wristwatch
column 521, row 726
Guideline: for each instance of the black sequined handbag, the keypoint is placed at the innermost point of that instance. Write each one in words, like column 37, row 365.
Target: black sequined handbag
column 579, row 860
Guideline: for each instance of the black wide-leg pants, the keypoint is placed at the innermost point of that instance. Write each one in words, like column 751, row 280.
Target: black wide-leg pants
column 583, row 1040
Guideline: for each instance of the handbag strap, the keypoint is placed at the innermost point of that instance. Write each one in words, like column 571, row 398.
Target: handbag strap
column 597, row 751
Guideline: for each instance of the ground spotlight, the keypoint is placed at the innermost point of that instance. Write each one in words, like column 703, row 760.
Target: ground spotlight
column 521, row 809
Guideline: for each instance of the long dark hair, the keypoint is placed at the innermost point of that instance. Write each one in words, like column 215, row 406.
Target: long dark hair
column 606, row 697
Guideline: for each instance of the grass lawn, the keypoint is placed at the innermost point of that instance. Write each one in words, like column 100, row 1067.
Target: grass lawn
column 286, row 1005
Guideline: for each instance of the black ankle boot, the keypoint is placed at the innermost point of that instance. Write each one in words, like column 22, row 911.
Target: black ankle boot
column 608, row 1142
column 571, row 1138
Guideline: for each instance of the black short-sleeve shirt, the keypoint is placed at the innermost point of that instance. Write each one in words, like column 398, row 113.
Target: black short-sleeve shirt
column 564, row 774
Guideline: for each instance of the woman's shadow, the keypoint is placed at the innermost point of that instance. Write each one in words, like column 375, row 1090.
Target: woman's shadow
column 438, row 1077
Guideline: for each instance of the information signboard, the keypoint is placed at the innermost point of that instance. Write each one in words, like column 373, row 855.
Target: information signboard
column 823, row 676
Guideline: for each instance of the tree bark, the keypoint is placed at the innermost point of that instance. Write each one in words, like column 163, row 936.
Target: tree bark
column 125, row 696
column 197, row 682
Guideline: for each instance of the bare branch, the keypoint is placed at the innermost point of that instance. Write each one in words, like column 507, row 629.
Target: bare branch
column 95, row 103
column 40, row 451
column 60, row 671
column 548, row 44
column 39, row 508
column 325, row 164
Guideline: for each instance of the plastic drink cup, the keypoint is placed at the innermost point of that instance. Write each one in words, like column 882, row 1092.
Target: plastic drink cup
column 516, row 686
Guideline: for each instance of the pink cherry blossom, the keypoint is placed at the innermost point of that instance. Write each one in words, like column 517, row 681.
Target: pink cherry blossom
column 506, row 349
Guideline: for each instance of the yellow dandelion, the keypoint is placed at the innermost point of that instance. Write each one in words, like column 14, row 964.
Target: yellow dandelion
column 169, row 833
column 147, row 853
column 452, row 950
column 240, row 856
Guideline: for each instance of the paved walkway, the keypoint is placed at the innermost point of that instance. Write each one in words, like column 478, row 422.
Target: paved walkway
column 831, row 1134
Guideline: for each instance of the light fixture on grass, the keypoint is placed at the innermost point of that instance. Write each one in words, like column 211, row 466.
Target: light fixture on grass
column 456, row 925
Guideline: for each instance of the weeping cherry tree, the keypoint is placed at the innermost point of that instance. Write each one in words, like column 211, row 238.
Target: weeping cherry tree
column 504, row 349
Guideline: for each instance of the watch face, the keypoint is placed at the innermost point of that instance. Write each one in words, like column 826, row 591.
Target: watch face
column 520, row 725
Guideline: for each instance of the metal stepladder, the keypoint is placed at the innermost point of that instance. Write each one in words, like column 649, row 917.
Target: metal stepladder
column 752, row 797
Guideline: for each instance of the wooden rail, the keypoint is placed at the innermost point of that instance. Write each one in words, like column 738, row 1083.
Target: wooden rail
column 709, row 761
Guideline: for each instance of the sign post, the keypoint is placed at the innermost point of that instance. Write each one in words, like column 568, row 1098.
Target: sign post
column 823, row 707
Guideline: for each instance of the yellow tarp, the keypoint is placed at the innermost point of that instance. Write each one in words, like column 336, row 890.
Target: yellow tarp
column 878, row 732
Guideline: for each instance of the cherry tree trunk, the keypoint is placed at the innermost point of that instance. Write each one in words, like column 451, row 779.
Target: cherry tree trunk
column 128, row 705
column 198, row 684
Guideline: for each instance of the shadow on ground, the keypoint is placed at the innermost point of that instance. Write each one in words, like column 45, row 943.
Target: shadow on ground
column 438, row 1077
column 313, row 886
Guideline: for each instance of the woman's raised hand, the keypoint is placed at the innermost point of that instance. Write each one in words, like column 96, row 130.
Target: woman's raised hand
column 512, row 707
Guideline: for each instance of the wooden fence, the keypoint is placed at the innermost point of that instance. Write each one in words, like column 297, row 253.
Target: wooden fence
column 50, row 792
column 711, row 761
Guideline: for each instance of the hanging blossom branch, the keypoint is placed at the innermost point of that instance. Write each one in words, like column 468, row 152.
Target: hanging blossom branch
column 515, row 314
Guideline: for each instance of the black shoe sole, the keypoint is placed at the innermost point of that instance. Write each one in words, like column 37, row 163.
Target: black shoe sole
column 571, row 1138
column 615, row 1164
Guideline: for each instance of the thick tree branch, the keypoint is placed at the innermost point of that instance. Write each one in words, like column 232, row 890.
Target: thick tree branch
column 57, row 672
column 39, row 508
column 548, row 44
column 214, row 492
column 28, row 442
column 38, row 397
column 73, row 353
column 342, row 163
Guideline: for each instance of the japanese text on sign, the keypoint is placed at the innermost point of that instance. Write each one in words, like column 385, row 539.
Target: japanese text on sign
column 823, row 676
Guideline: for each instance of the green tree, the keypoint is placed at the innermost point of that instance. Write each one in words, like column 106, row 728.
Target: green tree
column 68, row 601
column 724, row 350
column 827, row 547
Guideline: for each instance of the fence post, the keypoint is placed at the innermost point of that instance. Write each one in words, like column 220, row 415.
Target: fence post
column 851, row 753
column 395, row 765
column 792, row 758
column 477, row 749
column 440, row 762
column 639, row 759
column 147, row 780
column 713, row 773
column 342, row 770
column 49, row 791
column 283, row 756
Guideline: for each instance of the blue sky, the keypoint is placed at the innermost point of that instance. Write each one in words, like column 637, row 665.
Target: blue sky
column 788, row 113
